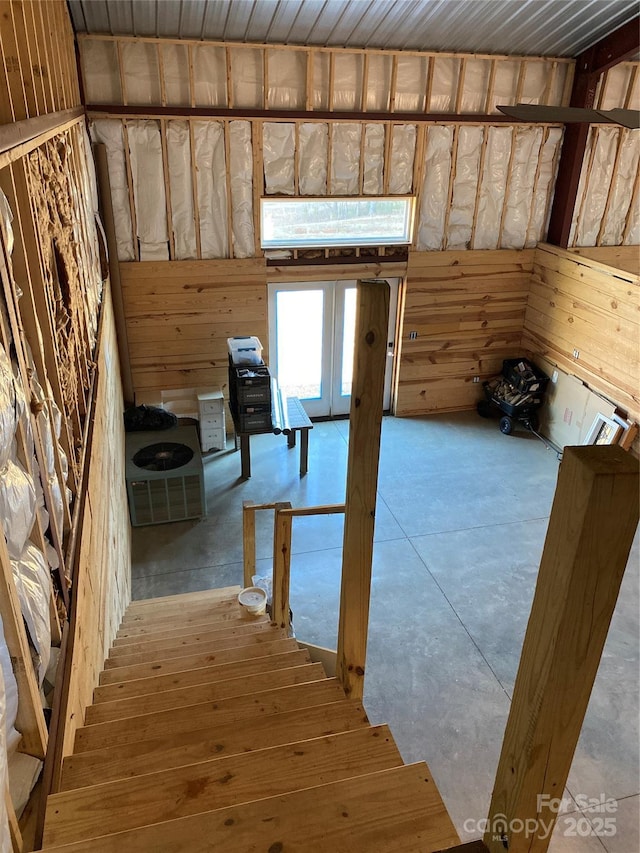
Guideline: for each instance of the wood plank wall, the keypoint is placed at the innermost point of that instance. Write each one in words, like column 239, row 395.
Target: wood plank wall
column 102, row 589
column 179, row 315
column 577, row 303
column 467, row 309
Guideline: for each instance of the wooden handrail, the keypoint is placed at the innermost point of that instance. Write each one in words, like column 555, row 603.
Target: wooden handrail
column 591, row 528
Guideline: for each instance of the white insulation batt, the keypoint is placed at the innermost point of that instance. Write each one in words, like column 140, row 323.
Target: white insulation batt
column 5, row 836
column 492, row 187
column 181, row 189
column 212, row 188
column 278, row 152
column 540, row 207
column 465, row 185
column 403, row 149
column 312, row 158
column 33, row 585
column 241, row 171
column 435, row 188
column 345, row 159
column 373, row 172
column 622, row 190
column 9, row 695
column 145, row 153
column 110, row 133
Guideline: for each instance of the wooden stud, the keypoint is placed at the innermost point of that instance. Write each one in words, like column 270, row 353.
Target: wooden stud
column 332, row 75
column 591, row 529
column 329, row 156
column 429, row 84
column 24, row 42
column 167, row 189
column 132, row 203
column 372, row 317
column 363, row 133
column 123, row 81
column 265, row 79
column 34, row 19
column 11, row 63
column 296, row 157
column 309, row 81
column 604, row 82
column 452, row 179
column 418, row 179
column 163, row 83
column 460, row 87
column 622, row 135
column 14, row 826
column 568, row 85
column 365, row 84
column 194, row 189
column 388, row 139
column 522, row 74
column 258, row 178
column 635, row 195
column 227, row 51
column 30, row 720
column 490, row 86
column 20, row 138
column 282, row 527
column 192, row 85
column 483, row 154
column 629, row 95
column 393, row 84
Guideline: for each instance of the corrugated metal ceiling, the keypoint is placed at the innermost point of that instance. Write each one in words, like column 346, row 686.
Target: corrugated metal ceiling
column 519, row 27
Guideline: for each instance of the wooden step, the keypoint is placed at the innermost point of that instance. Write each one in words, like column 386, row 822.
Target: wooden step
column 191, row 717
column 184, row 598
column 179, row 748
column 107, row 711
column 385, row 812
column 217, row 612
column 216, row 784
column 140, row 631
column 204, row 675
column 227, row 630
column 204, row 640
column 194, row 661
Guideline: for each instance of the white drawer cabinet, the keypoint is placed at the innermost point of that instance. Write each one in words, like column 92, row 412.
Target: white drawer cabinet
column 212, row 420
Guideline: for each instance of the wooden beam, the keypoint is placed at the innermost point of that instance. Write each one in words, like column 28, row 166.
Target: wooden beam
column 248, row 542
column 106, row 212
column 35, row 131
column 604, row 55
column 593, row 521
column 372, row 317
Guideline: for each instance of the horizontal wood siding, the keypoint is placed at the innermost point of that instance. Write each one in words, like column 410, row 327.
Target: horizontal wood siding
column 467, row 308
column 576, row 303
column 179, row 315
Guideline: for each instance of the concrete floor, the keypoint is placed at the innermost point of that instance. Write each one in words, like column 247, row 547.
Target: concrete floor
column 460, row 524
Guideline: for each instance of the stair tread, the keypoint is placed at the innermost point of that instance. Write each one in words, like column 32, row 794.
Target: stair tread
column 179, row 748
column 214, row 610
column 149, row 629
column 203, row 675
column 190, row 645
column 193, row 661
column 233, row 630
column 390, row 810
column 191, row 717
column 193, row 695
column 217, row 784
column 185, row 597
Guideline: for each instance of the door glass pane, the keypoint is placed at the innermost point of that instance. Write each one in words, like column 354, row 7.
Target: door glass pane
column 348, row 335
column 299, row 316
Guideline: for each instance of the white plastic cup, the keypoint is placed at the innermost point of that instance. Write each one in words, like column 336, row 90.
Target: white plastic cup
column 253, row 599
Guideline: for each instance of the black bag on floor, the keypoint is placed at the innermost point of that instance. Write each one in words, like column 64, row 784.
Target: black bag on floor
column 139, row 418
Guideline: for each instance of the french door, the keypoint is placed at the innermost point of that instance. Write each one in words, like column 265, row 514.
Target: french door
column 311, row 338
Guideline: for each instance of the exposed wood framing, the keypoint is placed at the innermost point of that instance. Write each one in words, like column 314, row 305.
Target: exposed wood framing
column 372, row 316
column 591, row 528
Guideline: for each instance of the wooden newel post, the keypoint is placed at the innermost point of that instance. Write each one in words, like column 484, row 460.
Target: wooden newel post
column 370, row 354
column 282, row 527
column 592, row 524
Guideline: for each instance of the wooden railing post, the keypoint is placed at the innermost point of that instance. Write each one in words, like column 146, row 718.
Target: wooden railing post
column 248, row 542
column 282, row 526
column 592, row 524
column 372, row 316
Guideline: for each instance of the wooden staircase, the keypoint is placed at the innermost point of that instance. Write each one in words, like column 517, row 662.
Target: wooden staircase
column 211, row 730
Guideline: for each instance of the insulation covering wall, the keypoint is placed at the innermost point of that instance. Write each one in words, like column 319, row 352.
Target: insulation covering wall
column 212, row 188
column 278, row 151
column 345, row 159
column 110, row 134
column 403, row 148
column 33, row 586
column 209, row 76
column 241, row 170
column 373, row 170
column 312, row 158
column 5, row 836
column 435, row 188
column 8, row 695
column 181, row 189
column 145, row 153
column 526, row 148
column 492, row 187
column 465, row 185
column 286, row 73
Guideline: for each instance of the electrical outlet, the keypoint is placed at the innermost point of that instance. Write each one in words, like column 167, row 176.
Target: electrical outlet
column 576, row 353
column 413, row 336
column 476, row 379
